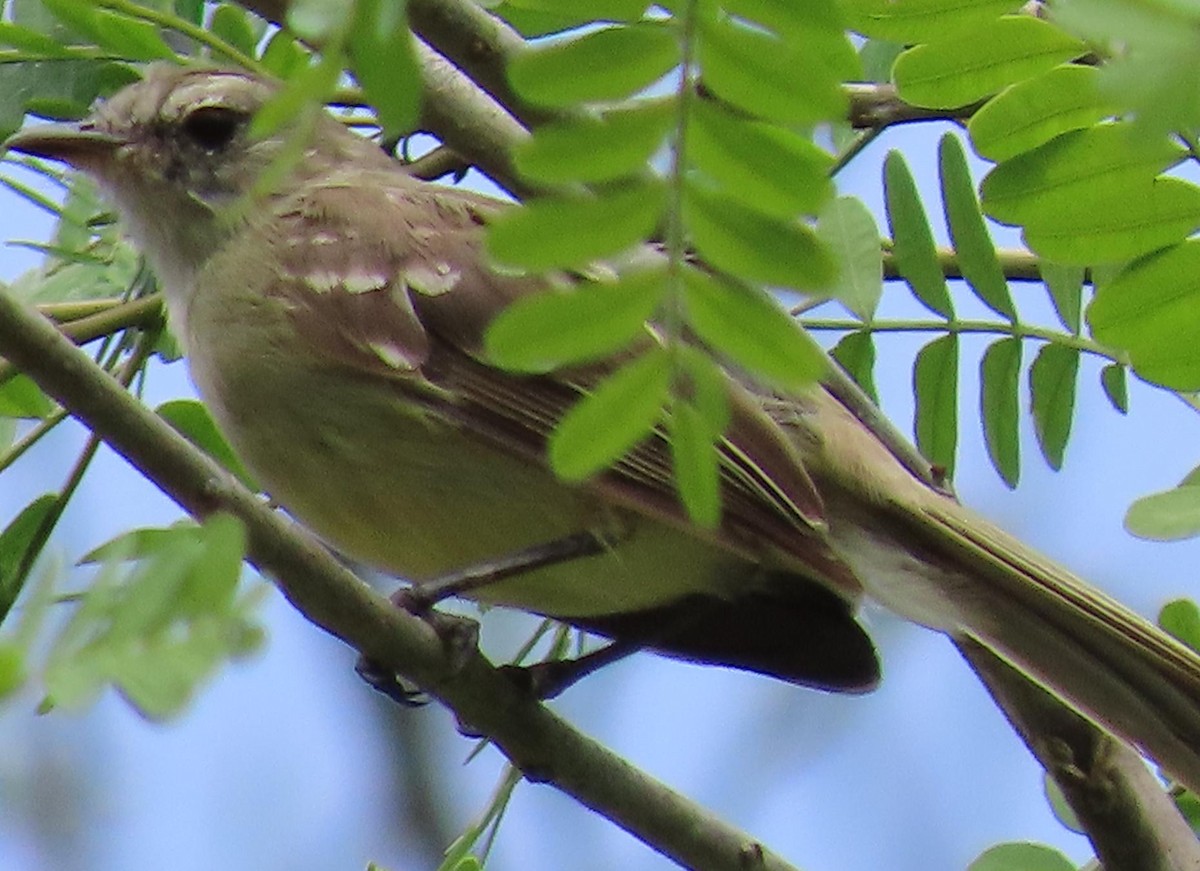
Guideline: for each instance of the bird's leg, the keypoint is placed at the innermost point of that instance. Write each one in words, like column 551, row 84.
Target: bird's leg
column 546, row 680
column 459, row 634
column 421, row 597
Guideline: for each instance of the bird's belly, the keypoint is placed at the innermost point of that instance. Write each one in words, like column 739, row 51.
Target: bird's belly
column 397, row 489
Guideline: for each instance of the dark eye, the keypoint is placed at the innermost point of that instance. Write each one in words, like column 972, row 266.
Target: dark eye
column 213, row 127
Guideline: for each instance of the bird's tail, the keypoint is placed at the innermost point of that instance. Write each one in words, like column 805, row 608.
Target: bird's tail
column 1107, row 662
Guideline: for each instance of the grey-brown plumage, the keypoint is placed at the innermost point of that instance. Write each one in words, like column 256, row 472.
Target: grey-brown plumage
column 335, row 328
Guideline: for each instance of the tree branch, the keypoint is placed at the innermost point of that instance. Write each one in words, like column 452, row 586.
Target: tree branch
column 1132, row 823
column 543, row 746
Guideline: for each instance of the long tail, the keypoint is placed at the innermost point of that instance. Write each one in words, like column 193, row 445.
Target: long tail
column 1107, row 662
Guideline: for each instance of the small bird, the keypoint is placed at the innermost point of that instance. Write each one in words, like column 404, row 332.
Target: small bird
column 334, row 323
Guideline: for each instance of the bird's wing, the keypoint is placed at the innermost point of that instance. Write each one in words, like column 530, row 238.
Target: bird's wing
column 407, row 297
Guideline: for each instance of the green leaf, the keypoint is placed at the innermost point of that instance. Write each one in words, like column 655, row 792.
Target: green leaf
column 1021, row 857
column 1112, row 378
column 607, row 64
column 1052, row 381
column 935, row 388
column 878, row 57
column 1152, row 311
column 1181, row 618
column 305, row 90
column 155, row 628
column 580, row 11
column 748, row 326
column 958, row 72
column 914, row 21
column 21, row 397
column 29, row 40
column 766, row 77
column 284, row 57
column 912, row 240
column 622, row 410
column 791, row 21
column 562, row 327
column 1171, row 515
column 972, row 243
column 855, row 353
column 815, row 26
column 1031, row 113
column 384, row 61
column 694, row 458
column 137, row 544
column 1065, row 286
column 1120, row 226
column 595, row 148
column 15, row 542
column 745, row 157
column 848, row 229
column 232, row 24
column 999, row 373
column 753, row 245
column 1084, row 167
column 120, row 35
column 574, row 230
column 191, row 420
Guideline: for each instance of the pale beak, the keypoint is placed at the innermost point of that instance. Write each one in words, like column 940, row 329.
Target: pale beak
column 79, row 145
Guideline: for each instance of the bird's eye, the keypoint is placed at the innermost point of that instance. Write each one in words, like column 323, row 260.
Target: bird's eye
column 213, row 127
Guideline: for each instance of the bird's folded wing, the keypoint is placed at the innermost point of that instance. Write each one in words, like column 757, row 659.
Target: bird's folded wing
column 407, row 296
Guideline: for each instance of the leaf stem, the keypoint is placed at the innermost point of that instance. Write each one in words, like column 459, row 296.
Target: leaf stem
column 1002, row 328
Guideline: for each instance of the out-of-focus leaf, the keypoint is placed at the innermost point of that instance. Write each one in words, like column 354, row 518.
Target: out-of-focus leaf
column 694, row 459
column 29, row 40
column 958, row 72
column 384, row 61
column 284, row 57
column 1152, row 310
column 972, row 243
column 571, row 231
column 1031, row 113
column 767, row 77
column 155, row 628
column 1052, row 382
column 912, row 240
column 595, row 148
column 847, row 227
column 915, row 21
column 749, row 327
column 935, row 388
column 607, row 64
column 1021, row 857
column 558, row 328
column 14, row 543
column 619, row 413
column 232, row 24
column 1000, row 372
column 815, row 26
column 753, row 245
column 121, row 35
column 745, row 157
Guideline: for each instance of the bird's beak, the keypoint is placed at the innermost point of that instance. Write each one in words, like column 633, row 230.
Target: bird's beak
column 79, row 145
